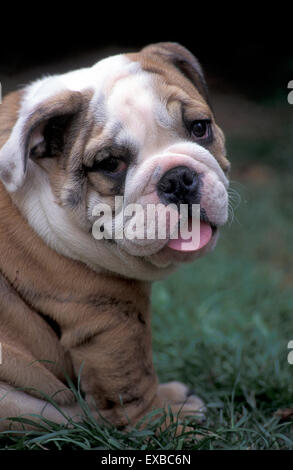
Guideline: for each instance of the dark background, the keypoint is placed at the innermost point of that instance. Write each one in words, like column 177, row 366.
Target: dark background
column 242, row 51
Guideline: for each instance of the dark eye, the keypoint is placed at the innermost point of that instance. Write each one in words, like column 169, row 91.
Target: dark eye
column 201, row 129
column 110, row 165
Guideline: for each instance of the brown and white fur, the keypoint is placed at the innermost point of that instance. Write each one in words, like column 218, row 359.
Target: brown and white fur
column 69, row 303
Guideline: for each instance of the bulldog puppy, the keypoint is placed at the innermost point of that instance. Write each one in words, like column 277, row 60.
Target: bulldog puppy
column 134, row 125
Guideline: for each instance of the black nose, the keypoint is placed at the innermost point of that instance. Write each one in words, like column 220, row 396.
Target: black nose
column 180, row 185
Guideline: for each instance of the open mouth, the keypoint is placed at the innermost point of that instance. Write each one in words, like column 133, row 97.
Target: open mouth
column 188, row 240
column 196, row 241
column 182, row 251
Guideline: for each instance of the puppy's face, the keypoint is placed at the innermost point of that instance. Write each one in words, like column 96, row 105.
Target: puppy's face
column 132, row 129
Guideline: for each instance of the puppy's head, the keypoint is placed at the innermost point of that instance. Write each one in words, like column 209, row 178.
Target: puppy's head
column 133, row 131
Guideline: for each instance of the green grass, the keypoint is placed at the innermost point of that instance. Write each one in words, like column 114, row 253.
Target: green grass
column 222, row 326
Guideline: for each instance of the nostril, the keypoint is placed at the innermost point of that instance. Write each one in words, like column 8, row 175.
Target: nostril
column 167, row 186
column 188, row 178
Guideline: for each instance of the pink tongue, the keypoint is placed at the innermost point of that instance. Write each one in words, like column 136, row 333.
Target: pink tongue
column 192, row 245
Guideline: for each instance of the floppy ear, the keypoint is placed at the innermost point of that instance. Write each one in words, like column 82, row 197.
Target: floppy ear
column 38, row 132
column 178, row 56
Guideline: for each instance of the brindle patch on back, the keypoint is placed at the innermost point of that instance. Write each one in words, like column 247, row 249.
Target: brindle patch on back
column 9, row 114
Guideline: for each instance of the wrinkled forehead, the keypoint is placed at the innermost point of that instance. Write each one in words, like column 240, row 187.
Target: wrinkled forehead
column 137, row 107
column 130, row 104
column 101, row 79
column 127, row 103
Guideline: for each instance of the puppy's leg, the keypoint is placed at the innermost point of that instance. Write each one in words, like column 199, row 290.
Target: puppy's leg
column 114, row 358
column 16, row 403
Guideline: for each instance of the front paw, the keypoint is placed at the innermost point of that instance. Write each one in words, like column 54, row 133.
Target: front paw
column 182, row 401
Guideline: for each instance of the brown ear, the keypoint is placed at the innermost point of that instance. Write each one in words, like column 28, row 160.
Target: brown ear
column 37, row 132
column 182, row 59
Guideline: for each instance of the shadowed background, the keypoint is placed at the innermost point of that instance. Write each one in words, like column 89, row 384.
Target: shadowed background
column 221, row 325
